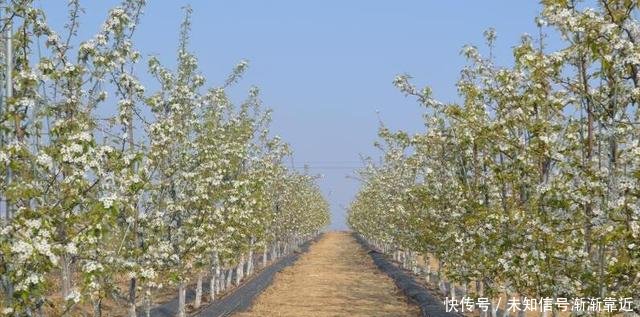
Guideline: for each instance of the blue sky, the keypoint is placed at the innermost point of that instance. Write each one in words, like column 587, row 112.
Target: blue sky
column 326, row 67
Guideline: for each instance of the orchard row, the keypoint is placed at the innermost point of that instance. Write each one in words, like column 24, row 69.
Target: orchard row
column 529, row 185
column 111, row 192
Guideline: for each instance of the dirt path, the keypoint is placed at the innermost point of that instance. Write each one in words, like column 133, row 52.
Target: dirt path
column 335, row 278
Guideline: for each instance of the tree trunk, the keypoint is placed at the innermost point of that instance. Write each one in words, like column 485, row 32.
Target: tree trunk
column 428, row 270
column 131, row 301
column 521, row 312
column 218, row 280
column 494, row 308
column 250, row 256
column 213, row 287
column 182, row 294
column 8, row 289
column 97, row 308
column 147, row 301
column 229, row 273
column 480, row 292
column 66, row 276
column 505, row 312
column 264, row 257
column 215, row 269
column 221, row 281
column 250, row 263
column 441, row 283
column 198, row 299
column 407, row 260
column 414, row 262
column 240, row 271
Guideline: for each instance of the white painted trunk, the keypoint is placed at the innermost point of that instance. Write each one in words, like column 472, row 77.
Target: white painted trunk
column 443, row 287
column 66, row 282
column 131, row 310
column 264, row 257
column 480, row 292
column 250, row 258
column 147, row 301
column 505, row 312
column 494, row 308
column 223, row 280
column 250, row 263
column 213, row 288
column 218, row 280
column 240, row 271
column 198, row 299
column 8, row 289
column 40, row 310
column 414, row 263
column 405, row 260
column 427, row 269
column 182, row 294
column 228, row 284
column 215, row 268
column 97, row 309
column 66, row 276
column 521, row 312
column 440, row 279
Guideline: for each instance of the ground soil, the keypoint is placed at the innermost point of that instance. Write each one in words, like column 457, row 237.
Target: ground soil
column 335, row 278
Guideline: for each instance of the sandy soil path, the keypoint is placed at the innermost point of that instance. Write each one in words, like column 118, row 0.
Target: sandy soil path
column 335, row 278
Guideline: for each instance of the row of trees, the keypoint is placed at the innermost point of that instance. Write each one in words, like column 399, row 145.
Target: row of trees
column 111, row 191
column 528, row 185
